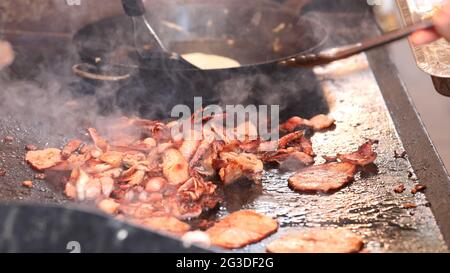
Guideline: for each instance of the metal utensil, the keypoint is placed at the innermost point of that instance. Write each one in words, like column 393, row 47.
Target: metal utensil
column 147, row 43
column 334, row 54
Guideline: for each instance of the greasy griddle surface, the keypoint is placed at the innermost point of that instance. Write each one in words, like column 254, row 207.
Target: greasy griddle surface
column 368, row 206
column 12, row 157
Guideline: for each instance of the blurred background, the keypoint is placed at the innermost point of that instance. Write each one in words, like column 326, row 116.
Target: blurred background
column 23, row 18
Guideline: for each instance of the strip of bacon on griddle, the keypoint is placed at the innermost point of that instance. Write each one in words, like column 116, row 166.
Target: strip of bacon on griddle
column 70, row 148
column 317, row 123
column 238, row 166
column 43, row 159
column 323, row 178
column 317, row 241
column 320, row 122
column 364, row 156
column 241, row 228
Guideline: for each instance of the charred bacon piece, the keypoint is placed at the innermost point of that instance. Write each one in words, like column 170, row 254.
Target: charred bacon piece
column 175, row 167
column 323, row 178
column 43, row 159
column 364, row 156
column 241, row 228
column 70, row 148
column 317, row 123
column 320, row 122
column 99, row 142
column 292, row 124
column 238, row 166
column 109, row 206
column 317, row 241
column 288, row 159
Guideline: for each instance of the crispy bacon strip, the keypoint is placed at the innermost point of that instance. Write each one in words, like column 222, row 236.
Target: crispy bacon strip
column 70, row 148
column 323, row 178
column 320, row 122
column 43, row 159
column 175, row 167
column 238, row 166
column 365, row 155
column 99, row 142
column 317, row 241
column 241, row 228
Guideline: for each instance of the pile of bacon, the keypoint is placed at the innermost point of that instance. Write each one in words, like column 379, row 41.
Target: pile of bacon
column 145, row 174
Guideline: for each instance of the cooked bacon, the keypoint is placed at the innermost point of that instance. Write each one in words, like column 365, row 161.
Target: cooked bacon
column 99, row 142
column 289, row 158
column 323, row 178
column 93, row 189
column 27, row 184
column 108, row 206
column 74, row 161
column 70, row 148
column 165, row 224
column 295, row 161
column 175, row 167
column 238, row 166
column 418, row 188
column 364, row 156
column 112, row 158
column 155, row 184
column 147, row 175
column 81, row 183
column 196, row 187
column 188, row 148
column 306, row 146
column 241, row 228
column 107, row 185
column 400, row 188
column 317, row 241
column 292, row 124
column 134, row 176
column 285, row 140
column 43, row 159
column 70, row 191
column 320, row 122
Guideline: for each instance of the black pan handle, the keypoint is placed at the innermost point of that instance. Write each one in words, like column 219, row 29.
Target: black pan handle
column 83, row 70
column 133, row 8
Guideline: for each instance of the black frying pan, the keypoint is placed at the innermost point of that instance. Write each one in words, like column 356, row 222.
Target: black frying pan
column 256, row 33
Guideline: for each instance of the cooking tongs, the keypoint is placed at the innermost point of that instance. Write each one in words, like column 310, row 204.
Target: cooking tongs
column 334, row 54
column 146, row 41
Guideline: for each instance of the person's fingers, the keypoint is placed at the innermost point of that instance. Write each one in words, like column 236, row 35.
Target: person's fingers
column 442, row 21
column 424, row 37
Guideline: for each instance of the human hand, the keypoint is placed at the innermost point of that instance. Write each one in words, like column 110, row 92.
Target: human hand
column 442, row 27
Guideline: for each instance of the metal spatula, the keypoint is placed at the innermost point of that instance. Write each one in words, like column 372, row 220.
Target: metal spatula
column 147, row 43
column 334, row 54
